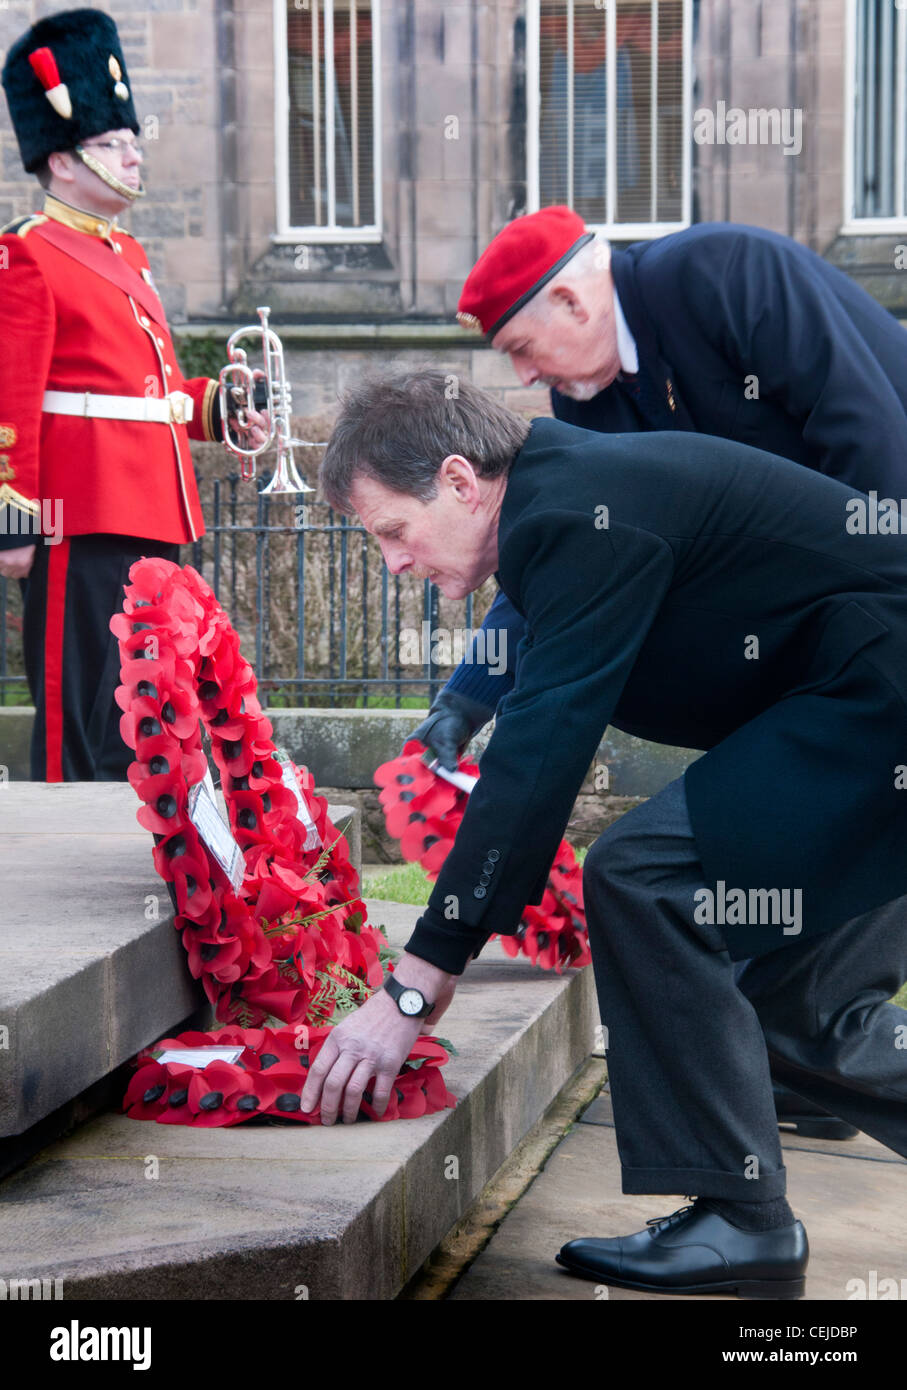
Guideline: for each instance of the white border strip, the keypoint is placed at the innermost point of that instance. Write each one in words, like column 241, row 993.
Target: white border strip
column 611, row 98
column 291, row 235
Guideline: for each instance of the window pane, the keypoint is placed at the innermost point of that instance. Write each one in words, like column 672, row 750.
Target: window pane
column 876, row 90
column 573, row 133
column 351, row 116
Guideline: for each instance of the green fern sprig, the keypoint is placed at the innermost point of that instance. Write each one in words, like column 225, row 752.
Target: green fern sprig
column 276, row 927
column 341, row 990
column 323, row 857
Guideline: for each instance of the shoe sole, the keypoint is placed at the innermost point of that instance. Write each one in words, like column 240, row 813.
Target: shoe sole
column 815, row 1127
column 743, row 1288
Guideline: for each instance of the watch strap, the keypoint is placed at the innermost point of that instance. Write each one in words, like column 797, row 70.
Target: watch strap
column 395, row 989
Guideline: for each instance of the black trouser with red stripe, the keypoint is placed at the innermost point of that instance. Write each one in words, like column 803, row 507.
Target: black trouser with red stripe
column 71, row 657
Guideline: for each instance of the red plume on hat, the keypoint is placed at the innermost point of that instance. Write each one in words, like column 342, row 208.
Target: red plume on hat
column 65, row 81
column 44, row 66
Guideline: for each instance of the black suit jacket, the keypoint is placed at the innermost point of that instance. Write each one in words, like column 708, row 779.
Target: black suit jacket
column 725, row 606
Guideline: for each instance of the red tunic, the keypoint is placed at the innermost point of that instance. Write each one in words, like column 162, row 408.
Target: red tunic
column 66, row 327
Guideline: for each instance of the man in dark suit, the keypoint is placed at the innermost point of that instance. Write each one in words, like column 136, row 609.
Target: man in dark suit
column 726, row 330
column 707, row 595
column 722, row 329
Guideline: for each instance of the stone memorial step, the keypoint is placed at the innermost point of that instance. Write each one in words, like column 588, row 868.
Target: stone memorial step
column 131, row 1209
column 91, row 968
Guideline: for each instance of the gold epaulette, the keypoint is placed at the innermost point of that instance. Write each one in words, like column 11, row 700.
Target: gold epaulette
column 21, row 226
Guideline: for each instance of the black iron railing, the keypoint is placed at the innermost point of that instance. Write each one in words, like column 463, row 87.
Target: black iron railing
column 319, row 616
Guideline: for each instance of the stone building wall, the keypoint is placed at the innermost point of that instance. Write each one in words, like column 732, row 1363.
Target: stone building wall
column 319, row 377
column 170, row 49
column 764, row 54
column 203, row 73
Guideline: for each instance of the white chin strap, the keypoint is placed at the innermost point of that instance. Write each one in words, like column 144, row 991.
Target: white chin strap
column 110, row 179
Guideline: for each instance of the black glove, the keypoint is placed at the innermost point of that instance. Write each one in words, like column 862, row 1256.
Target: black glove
column 451, row 723
column 260, row 396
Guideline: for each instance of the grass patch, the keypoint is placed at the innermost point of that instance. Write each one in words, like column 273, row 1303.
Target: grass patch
column 404, row 883
column 408, row 883
column 15, row 693
column 278, row 698
column 391, row 702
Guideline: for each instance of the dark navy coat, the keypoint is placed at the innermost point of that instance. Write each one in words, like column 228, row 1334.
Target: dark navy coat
column 649, row 622
column 717, row 305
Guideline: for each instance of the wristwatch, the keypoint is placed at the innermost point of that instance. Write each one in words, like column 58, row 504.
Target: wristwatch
column 411, row 1002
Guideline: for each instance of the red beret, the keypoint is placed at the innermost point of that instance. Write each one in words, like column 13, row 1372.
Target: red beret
column 521, row 259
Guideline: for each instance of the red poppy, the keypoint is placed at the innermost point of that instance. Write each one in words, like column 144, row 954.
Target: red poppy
column 149, row 1091
column 210, row 1087
column 405, row 773
column 427, row 841
column 552, row 934
column 268, row 1079
column 192, row 670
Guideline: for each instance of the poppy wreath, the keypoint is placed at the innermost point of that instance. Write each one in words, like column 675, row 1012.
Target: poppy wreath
column 292, row 943
column 423, row 812
column 267, row 1080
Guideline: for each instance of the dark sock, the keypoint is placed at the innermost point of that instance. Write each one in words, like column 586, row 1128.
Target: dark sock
column 753, row 1216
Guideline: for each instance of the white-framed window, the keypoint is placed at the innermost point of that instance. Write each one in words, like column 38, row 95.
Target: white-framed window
column 609, row 93
column 875, row 163
column 327, row 119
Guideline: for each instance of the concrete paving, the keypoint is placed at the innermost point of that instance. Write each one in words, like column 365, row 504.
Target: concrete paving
column 130, row 1209
column 850, row 1195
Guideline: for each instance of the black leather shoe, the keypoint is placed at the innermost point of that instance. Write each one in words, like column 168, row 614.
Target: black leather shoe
column 694, row 1250
column 808, row 1119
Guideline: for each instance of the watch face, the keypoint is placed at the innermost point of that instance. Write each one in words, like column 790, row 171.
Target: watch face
column 410, row 1002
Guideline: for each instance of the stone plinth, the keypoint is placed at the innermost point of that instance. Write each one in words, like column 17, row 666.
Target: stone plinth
column 289, row 1211
column 91, row 968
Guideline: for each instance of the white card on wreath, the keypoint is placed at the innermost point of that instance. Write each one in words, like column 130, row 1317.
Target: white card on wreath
column 463, row 780
column 205, row 816
column 312, row 839
column 209, row 783
column 200, row 1056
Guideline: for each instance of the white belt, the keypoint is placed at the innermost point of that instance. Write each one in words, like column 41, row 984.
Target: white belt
column 174, row 409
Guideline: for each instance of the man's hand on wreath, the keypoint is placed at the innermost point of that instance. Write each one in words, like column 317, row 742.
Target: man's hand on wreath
column 373, row 1042
column 16, row 563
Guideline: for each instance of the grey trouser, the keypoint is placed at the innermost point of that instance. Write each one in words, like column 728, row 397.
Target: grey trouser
column 693, row 1041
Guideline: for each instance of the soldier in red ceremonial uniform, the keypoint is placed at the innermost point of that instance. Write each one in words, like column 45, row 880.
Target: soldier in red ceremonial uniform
column 95, row 415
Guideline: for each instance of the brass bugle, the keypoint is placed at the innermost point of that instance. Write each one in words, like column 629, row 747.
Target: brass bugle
column 237, row 396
